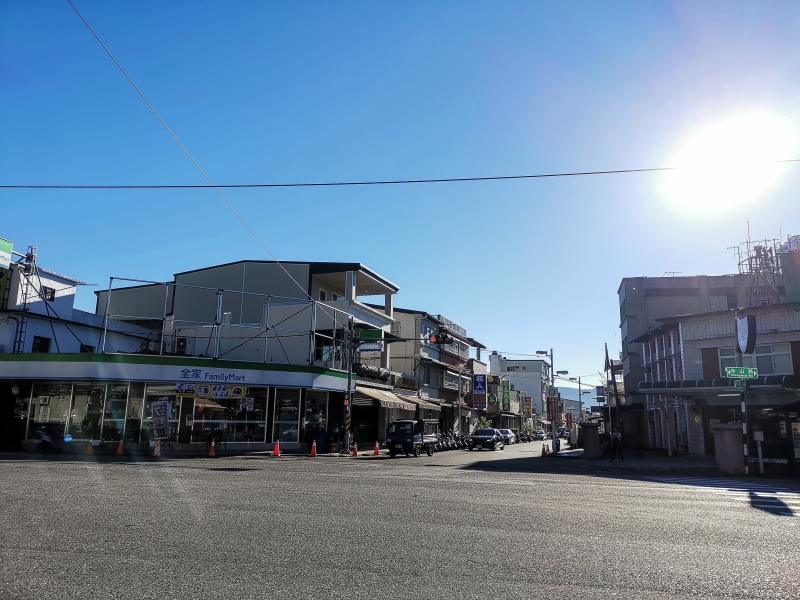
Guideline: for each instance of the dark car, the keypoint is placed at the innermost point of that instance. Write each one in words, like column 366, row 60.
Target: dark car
column 412, row 437
column 486, row 438
column 539, row 435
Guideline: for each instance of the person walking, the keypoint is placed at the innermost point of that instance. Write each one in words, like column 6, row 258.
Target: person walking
column 616, row 444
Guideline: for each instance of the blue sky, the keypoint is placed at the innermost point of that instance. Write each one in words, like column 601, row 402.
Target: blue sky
column 320, row 91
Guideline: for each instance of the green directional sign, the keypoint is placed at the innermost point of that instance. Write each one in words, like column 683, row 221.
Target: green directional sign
column 741, row 373
column 740, row 385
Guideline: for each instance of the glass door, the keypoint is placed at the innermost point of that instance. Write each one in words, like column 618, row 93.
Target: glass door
column 287, row 416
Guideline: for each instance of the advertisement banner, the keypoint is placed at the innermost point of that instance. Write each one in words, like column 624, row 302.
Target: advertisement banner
column 506, row 396
column 479, row 391
column 160, row 412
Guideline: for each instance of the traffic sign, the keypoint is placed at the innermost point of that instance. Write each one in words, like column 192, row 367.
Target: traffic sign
column 552, row 392
column 740, row 385
column 741, row 373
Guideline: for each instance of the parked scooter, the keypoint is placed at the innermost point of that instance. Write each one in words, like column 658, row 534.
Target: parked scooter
column 52, row 439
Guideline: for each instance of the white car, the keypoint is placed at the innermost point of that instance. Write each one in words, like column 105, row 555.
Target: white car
column 508, row 436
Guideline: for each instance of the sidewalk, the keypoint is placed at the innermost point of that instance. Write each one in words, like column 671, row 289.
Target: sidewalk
column 638, row 460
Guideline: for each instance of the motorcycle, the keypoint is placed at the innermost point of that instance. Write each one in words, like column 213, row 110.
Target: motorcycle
column 51, row 440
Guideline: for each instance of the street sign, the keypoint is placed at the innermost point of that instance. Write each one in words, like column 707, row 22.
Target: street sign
column 740, row 385
column 552, row 392
column 741, row 373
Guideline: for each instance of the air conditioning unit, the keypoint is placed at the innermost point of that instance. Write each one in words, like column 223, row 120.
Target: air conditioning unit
column 184, row 346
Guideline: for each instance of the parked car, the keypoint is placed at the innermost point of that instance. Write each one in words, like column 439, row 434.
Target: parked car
column 539, row 435
column 508, row 436
column 491, row 439
column 563, row 433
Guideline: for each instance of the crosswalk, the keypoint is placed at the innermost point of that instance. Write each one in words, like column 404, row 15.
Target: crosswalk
column 773, row 499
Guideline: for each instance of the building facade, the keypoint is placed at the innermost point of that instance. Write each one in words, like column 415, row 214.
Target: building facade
column 686, row 389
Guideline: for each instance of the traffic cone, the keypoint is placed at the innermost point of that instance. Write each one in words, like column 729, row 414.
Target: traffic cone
column 543, row 452
column 313, row 448
column 212, row 451
column 157, row 449
column 89, row 448
column 355, row 450
column 120, row 449
column 377, row 449
column 277, row 450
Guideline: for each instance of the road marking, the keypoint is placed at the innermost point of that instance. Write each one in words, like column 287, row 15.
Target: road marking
column 774, row 499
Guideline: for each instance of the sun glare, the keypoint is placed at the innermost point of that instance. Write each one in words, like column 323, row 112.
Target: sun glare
column 731, row 162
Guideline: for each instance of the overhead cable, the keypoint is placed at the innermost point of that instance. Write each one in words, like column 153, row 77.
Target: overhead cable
column 332, row 183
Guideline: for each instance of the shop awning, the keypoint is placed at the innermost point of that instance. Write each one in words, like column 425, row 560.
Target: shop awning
column 426, row 405
column 385, row 398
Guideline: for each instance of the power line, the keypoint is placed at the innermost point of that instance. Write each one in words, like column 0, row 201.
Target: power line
column 196, row 164
column 333, row 183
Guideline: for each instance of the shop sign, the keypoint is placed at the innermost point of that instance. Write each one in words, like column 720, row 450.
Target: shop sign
column 161, row 412
column 569, row 420
column 506, row 396
column 492, row 404
column 406, row 382
column 204, row 375
column 528, row 406
column 479, row 391
column 552, row 408
column 371, row 346
column 6, row 247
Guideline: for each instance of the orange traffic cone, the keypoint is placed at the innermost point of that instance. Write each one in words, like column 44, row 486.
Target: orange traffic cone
column 212, row 451
column 157, row 449
column 89, row 448
column 120, row 449
column 355, row 450
column 377, row 449
column 314, row 448
column 543, row 452
column 277, row 450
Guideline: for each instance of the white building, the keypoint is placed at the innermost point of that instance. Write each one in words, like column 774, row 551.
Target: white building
column 529, row 377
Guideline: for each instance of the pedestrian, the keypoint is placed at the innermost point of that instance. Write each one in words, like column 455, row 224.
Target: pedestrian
column 616, row 444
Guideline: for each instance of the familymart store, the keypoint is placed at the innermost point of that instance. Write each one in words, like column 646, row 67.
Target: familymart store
column 102, row 399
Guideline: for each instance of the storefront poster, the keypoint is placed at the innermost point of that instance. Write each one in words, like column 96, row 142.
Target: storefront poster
column 161, row 412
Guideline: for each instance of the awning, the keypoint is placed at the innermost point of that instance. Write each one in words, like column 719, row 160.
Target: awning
column 426, row 405
column 385, row 398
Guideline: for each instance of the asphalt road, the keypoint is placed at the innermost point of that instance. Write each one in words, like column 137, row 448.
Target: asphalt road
column 457, row 525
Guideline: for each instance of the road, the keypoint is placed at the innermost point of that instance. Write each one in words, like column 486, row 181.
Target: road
column 457, row 525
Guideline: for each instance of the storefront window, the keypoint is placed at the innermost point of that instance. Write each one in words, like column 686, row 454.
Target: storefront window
column 49, row 407
column 114, row 414
column 250, row 419
column 315, row 418
column 159, row 393
column 87, row 411
column 287, row 415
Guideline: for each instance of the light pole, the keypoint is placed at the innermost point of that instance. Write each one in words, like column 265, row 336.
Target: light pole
column 553, row 425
